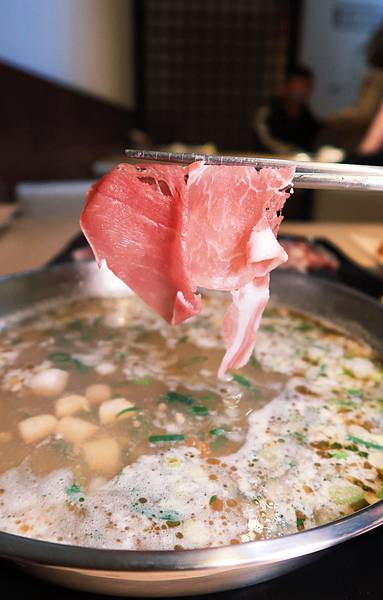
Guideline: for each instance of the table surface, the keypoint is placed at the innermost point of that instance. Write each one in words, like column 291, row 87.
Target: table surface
column 30, row 242
column 351, row 571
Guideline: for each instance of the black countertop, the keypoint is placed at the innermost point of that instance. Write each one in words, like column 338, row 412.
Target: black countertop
column 351, row 571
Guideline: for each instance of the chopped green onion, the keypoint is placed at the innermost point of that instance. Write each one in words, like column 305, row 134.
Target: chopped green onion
column 212, row 499
column 268, row 328
column 126, row 410
column 341, row 455
column 63, row 358
column 351, row 447
column 60, row 357
column 300, row 523
column 207, row 397
column 322, row 371
column 183, row 339
column 299, row 436
column 380, row 493
column 357, row 440
column 80, row 365
column 254, row 362
column 146, row 380
column 167, row 437
column 217, row 431
column 199, row 411
column 336, row 446
column 73, row 489
column 243, row 381
column 121, row 356
column 354, row 392
column 343, row 402
column 345, row 494
column 170, row 523
column 172, row 396
column 168, row 516
column 347, row 372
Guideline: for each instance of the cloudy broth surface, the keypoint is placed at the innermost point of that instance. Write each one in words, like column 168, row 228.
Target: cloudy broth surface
column 115, row 431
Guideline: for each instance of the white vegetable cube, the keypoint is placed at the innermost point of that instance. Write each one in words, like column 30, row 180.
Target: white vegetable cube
column 102, row 455
column 105, row 368
column 68, row 405
column 75, row 430
column 98, row 392
column 49, row 383
column 112, row 409
column 37, row 428
column 375, row 457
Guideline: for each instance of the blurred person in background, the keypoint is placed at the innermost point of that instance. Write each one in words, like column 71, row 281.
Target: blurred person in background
column 370, row 150
column 348, row 127
column 286, row 124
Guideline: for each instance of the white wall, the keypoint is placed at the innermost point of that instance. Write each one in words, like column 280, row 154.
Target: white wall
column 85, row 44
column 334, row 35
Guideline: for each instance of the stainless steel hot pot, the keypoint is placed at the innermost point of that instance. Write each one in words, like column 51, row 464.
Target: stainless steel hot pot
column 168, row 573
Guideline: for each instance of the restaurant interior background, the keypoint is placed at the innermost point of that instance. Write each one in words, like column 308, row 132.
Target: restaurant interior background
column 83, row 79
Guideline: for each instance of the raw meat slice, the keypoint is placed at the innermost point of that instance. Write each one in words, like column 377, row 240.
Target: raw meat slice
column 242, row 321
column 131, row 220
column 230, row 236
column 306, row 256
column 227, row 207
column 167, row 230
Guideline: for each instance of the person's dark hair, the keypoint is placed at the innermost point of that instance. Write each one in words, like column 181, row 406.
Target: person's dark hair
column 300, row 71
column 374, row 50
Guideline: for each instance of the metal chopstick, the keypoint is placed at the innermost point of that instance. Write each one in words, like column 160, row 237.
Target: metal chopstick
column 309, row 175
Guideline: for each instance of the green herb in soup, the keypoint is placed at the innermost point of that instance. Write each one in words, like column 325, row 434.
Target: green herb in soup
column 114, row 422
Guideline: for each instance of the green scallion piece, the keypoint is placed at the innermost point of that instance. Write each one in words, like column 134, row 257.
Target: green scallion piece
column 217, row 431
column 372, row 445
column 299, row 436
column 212, row 499
column 80, row 365
column 167, row 437
column 268, row 328
column 73, row 489
column 172, row 396
column 207, row 397
column 300, row 523
column 146, row 380
column 354, row 392
column 60, row 357
column 243, row 381
column 126, row 410
column 340, row 455
column 348, row 372
column 199, row 411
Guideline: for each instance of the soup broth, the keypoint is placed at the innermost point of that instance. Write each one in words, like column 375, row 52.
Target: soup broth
column 115, row 431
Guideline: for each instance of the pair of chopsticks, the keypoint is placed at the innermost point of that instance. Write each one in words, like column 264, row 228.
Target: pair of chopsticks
column 309, row 175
